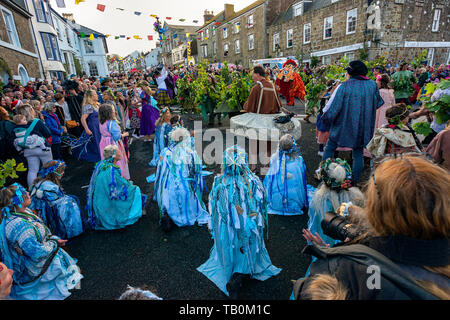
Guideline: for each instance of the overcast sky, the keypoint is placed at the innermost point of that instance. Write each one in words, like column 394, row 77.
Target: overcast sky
column 116, row 22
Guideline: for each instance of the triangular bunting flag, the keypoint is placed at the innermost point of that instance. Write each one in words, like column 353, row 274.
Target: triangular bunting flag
column 169, row 18
column 150, row 38
column 91, row 37
column 101, row 7
column 175, row 36
column 195, row 21
column 128, row 38
column 182, row 20
column 137, row 13
column 119, row 9
column 78, row 1
column 82, row 35
column 116, row 37
column 153, row 16
column 60, row 3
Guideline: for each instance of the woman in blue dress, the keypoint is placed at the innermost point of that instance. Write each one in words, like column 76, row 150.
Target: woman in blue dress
column 88, row 148
column 163, row 128
column 179, row 183
column 335, row 189
column 112, row 201
column 42, row 269
column 150, row 111
column 285, row 182
column 238, row 207
column 60, row 212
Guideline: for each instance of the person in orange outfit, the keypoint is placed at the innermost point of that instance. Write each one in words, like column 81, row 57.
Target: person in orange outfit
column 290, row 84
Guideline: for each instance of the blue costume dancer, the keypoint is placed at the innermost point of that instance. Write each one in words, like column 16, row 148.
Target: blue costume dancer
column 161, row 137
column 238, row 206
column 42, row 270
column 179, row 182
column 112, row 201
column 60, row 212
column 285, row 182
column 335, row 189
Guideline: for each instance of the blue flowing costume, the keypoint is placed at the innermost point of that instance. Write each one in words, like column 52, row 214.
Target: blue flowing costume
column 112, row 201
column 179, row 185
column 160, row 143
column 285, row 184
column 27, row 246
column 238, row 207
column 90, row 150
column 60, row 212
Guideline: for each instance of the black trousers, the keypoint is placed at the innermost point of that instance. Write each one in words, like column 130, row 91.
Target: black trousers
column 56, row 151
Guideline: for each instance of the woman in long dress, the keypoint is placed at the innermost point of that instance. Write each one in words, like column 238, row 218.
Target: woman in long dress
column 150, row 111
column 238, row 207
column 89, row 150
column 388, row 97
column 42, row 269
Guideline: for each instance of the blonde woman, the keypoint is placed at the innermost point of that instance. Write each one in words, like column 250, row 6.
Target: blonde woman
column 89, row 148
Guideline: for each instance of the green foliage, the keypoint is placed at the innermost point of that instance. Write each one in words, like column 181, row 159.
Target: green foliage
column 440, row 104
column 363, row 54
column 8, row 170
column 314, row 61
column 418, row 60
column 422, row 128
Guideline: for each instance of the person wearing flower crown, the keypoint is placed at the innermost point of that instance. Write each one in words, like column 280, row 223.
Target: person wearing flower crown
column 238, row 208
column 60, row 212
column 42, row 269
column 290, row 84
column 179, row 183
column 285, row 182
column 335, row 188
column 163, row 128
column 112, row 201
column 150, row 110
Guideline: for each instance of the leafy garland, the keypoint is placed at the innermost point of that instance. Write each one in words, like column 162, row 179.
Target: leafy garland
column 8, row 170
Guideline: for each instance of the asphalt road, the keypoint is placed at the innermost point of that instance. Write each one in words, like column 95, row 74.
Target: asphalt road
column 143, row 255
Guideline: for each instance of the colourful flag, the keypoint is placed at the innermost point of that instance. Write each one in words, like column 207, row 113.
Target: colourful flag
column 120, row 9
column 60, row 3
column 122, row 36
column 82, row 35
column 108, row 35
column 101, row 7
column 137, row 13
column 150, row 38
column 116, row 37
column 78, row 1
column 169, row 18
column 187, row 35
column 153, row 16
column 137, row 37
column 195, row 21
column 128, row 38
column 217, row 23
column 182, row 20
column 91, row 37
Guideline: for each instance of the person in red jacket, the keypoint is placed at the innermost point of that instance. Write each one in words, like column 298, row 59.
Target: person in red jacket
column 290, row 84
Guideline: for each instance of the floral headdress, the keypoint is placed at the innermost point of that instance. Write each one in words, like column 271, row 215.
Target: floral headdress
column 16, row 200
column 330, row 182
column 44, row 172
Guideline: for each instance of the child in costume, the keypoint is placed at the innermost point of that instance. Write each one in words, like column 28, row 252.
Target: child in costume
column 112, row 201
column 179, row 183
column 290, row 83
column 395, row 137
column 42, row 269
column 238, row 207
column 163, row 128
column 134, row 115
column 60, row 212
column 285, row 182
column 335, row 189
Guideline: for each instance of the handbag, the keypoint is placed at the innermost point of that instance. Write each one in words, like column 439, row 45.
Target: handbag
column 70, row 124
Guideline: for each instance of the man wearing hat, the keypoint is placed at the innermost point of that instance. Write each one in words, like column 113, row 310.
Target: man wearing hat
column 290, row 83
column 351, row 113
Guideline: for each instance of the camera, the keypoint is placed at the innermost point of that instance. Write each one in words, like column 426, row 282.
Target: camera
column 338, row 227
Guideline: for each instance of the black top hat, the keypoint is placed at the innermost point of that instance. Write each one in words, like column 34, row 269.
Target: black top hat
column 357, row 68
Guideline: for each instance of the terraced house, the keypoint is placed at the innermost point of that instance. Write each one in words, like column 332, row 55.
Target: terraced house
column 331, row 29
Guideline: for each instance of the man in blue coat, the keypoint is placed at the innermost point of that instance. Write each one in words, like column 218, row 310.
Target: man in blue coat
column 351, row 112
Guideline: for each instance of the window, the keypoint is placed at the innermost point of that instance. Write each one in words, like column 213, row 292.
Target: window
column 250, row 22
column 40, row 10
column 11, row 28
column 289, row 38
column 202, row 36
column 225, row 33
column 350, row 56
column 225, row 49
column 307, row 33
column 351, row 21
column 298, row 9
column 237, row 46
column 326, row 60
column 327, row 27
column 68, row 37
column 207, row 34
column 251, row 42
column 215, row 47
column 436, row 18
column 89, row 46
column 237, row 25
column 276, row 41
column 23, row 74
column 205, row 51
column 50, row 46
column 213, row 31
column 93, row 70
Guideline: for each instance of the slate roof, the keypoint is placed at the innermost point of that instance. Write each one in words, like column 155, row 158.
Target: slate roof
column 308, row 6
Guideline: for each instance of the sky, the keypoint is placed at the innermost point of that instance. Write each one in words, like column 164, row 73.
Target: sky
column 116, row 22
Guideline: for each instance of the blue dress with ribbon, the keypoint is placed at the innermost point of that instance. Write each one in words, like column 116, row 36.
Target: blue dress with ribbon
column 160, row 143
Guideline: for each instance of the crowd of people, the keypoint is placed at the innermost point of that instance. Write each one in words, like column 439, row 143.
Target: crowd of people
column 401, row 215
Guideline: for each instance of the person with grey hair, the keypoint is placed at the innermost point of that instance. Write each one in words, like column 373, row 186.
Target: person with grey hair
column 285, row 181
column 138, row 294
column 57, row 130
column 35, row 155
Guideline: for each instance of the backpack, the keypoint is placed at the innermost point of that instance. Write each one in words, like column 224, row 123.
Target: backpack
column 22, row 134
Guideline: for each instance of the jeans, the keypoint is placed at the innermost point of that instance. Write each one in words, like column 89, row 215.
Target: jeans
column 34, row 157
column 357, row 154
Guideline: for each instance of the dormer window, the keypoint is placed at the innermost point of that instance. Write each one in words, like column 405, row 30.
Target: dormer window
column 298, row 9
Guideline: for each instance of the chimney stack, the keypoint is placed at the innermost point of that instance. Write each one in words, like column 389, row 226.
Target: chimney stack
column 69, row 16
column 208, row 15
column 229, row 10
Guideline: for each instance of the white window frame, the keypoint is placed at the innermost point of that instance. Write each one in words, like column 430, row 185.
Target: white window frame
column 250, row 21
column 304, row 33
column 86, row 42
column 291, row 38
column 215, row 47
column 90, row 64
column 237, row 46
column 207, row 34
column 251, row 36
column 346, row 54
column 202, row 35
column 12, row 31
column 325, row 20
column 326, row 57
column 226, row 47
column 274, row 43
column 214, row 30
column 225, row 32
column 205, row 51
column 351, row 14
column 236, row 27
column 298, row 9
column 436, row 20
